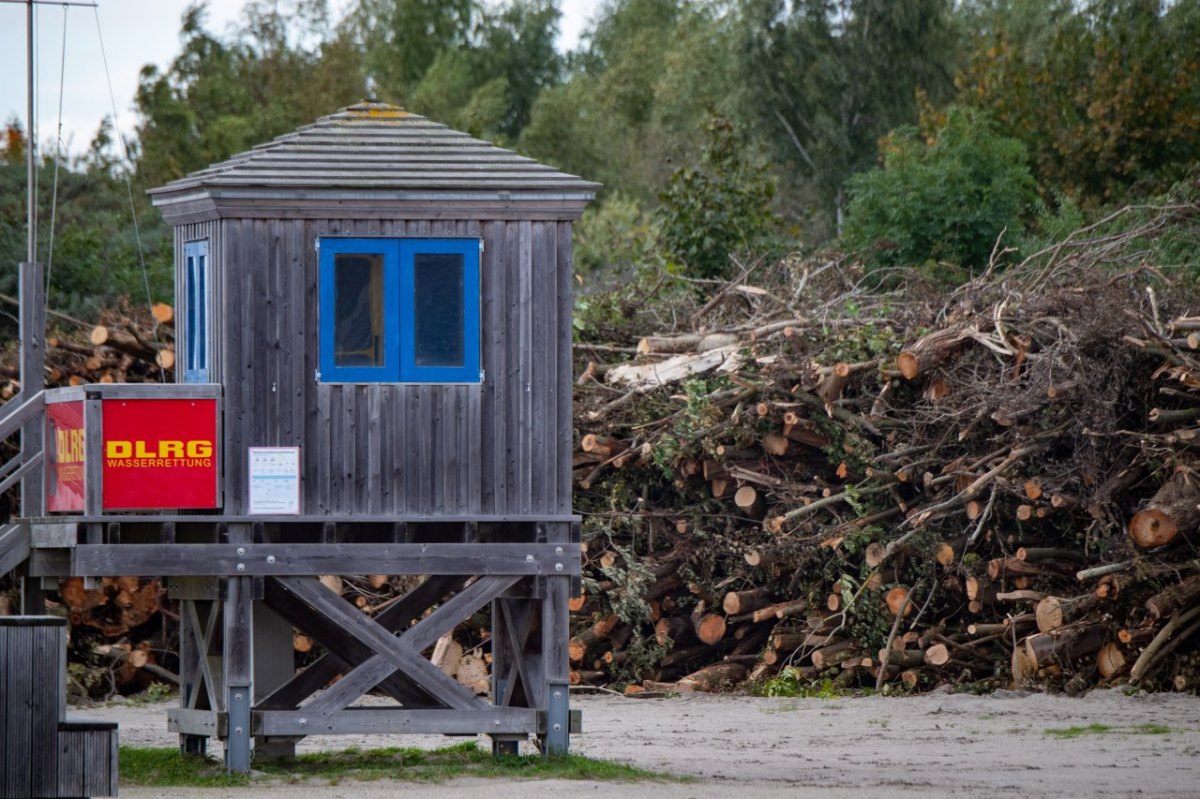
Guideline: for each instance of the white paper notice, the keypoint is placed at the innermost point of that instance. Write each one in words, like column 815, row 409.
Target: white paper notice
column 275, row 481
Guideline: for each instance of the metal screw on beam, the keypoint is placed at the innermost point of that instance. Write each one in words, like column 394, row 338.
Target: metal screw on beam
column 270, row 558
column 529, row 558
column 558, row 550
column 241, row 551
column 241, row 567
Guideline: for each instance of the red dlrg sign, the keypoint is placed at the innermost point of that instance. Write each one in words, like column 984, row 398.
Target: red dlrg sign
column 160, row 453
column 64, row 448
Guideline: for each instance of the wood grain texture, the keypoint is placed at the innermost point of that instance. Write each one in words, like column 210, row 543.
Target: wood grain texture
column 395, row 449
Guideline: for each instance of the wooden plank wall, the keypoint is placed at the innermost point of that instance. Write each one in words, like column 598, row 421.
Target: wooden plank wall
column 32, row 698
column 499, row 448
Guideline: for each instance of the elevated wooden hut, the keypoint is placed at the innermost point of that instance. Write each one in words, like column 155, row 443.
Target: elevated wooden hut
column 374, row 368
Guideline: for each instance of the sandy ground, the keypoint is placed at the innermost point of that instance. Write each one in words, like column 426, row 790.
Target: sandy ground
column 934, row 745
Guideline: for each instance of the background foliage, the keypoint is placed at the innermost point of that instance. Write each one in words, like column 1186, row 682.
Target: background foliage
column 918, row 130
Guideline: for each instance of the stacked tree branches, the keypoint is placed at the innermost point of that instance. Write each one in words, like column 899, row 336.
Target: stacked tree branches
column 813, row 478
column 130, row 344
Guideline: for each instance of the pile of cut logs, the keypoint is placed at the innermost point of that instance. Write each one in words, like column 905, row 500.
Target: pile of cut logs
column 800, row 479
column 129, row 345
column 996, row 485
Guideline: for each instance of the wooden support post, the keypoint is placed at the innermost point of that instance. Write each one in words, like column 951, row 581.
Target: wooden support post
column 239, row 663
column 33, row 366
column 33, row 597
column 555, row 637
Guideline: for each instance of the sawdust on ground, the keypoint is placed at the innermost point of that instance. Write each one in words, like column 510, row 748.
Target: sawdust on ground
column 941, row 744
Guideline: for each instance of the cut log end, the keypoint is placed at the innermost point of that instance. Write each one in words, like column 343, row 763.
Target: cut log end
column 1152, row 528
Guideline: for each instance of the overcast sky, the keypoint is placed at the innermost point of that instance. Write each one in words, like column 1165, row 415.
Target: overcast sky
column 134, row 32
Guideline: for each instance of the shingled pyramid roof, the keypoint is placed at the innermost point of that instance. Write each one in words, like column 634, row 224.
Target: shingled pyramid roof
column 377, row 148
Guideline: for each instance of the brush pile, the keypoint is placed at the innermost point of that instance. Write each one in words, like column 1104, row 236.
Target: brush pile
column 810, row 480
column 129, row 345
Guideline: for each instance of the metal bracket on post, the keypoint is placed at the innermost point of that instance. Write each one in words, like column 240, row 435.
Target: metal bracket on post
column 237, row 745
column 558, row 719
column 239, row 669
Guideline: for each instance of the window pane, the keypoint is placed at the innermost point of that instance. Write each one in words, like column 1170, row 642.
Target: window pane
column 438, row 308
column 193, row 318
column 201, row 325
column 358, row 309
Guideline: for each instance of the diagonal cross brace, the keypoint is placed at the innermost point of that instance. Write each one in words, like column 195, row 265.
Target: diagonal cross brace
column 199, row 653
column 422, row 635
column 518, row 618
column 397, row 653
column 396, row 617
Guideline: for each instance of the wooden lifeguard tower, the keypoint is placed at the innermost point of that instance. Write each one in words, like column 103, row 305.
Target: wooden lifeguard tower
column 374, row 376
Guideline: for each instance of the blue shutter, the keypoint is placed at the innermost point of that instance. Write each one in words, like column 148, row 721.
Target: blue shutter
column 439, row 309
column 196, row 312
column 377, row 333
column 430, row 304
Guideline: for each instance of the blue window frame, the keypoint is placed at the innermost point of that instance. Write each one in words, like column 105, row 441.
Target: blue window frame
column 399, row 310
column 196, row 302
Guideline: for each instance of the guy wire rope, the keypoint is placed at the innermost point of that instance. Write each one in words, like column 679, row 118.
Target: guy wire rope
column 129, row 188
column 62, row 71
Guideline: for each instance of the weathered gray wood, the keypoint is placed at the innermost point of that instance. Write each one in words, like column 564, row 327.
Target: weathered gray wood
column 563, row 331
column 130, row 391
column 353, row 623
column 210, row 522
column 512, row 445
column 382, row 720
column 32, row 467
column 14, row 546
column 33, row 362
column 232, row 330
column 375, row 479
column 32, row 678
column 397, row 617
column 208, row 723
column 87, row 752
column 171, row 560
column 238, row 659
column 19, row 412
column 336, row 639
column 511, row 622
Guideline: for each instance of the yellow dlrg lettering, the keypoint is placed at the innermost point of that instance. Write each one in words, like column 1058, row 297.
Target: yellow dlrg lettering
column 119, row 449
column 199, row 449
column 170, row 449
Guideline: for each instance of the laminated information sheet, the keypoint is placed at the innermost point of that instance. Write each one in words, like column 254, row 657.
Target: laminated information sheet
column 275, row 481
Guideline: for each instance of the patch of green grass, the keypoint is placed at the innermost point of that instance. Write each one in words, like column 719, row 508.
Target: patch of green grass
column 1078, row 732
column 166, row 767
column 1104, row 729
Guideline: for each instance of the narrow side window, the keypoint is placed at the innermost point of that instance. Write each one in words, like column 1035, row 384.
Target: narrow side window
column 196, row 312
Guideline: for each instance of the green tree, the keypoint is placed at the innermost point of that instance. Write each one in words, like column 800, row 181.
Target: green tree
column 94, row 257
column 715, row 209
column 825, row 79
column 222, row 96
column 637, row 95
column 942, row 201
column 1105, row 94
column 488, row 87
column 401, row 39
